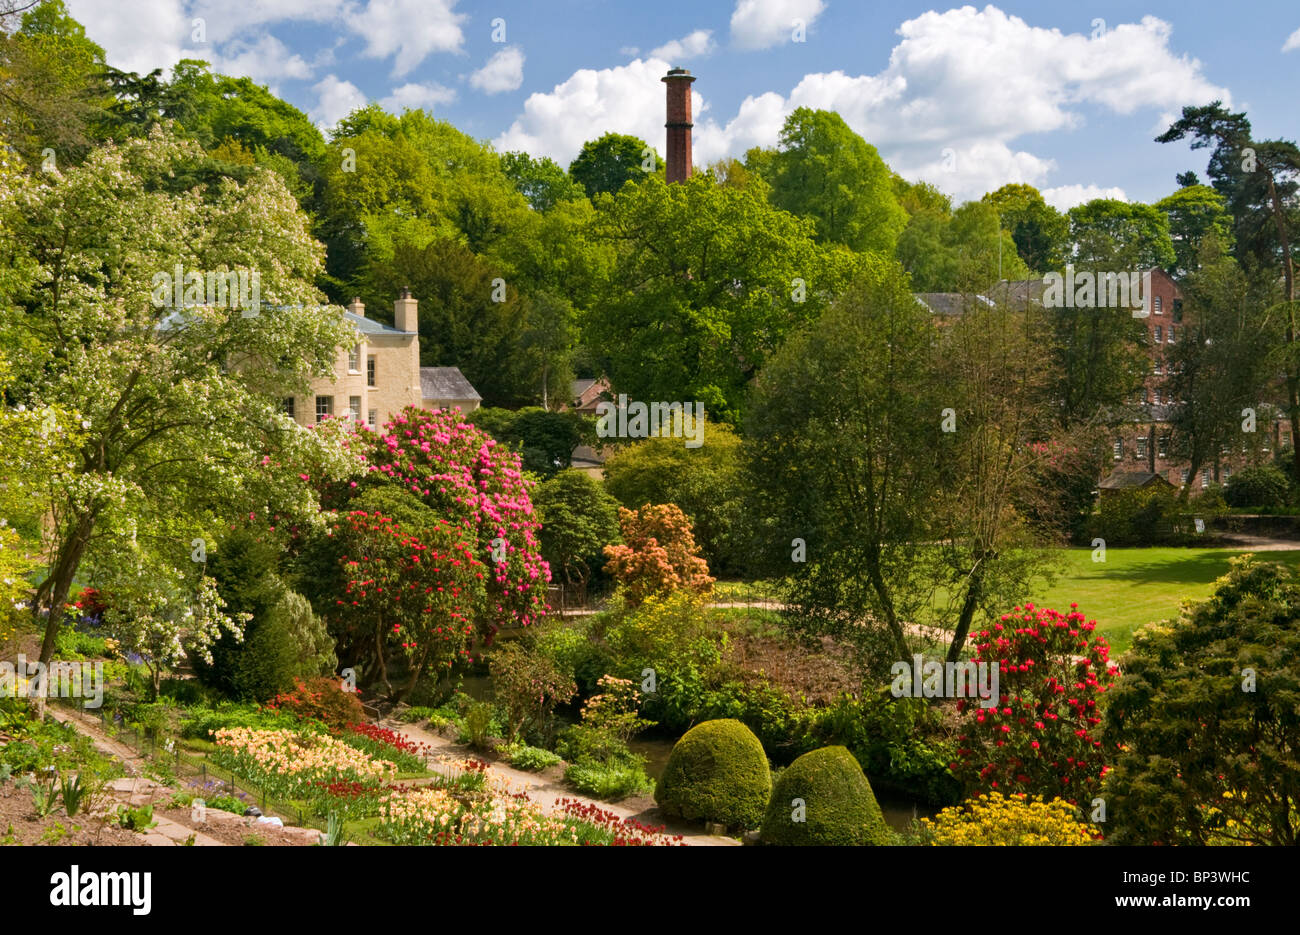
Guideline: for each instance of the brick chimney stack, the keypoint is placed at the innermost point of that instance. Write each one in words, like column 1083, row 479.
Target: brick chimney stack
column 357, row 307
column 679, row 123
column 404, row 312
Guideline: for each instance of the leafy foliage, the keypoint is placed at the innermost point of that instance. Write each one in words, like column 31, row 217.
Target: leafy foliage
column 1206, row 721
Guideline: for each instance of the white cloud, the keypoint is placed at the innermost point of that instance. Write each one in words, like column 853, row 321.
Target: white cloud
column 1065, row 197
column 417, row 96
column 155, row 34
column 335, row 100
column 761, row 24
column 264, row 61
column 629, row 50
column 224, row 20
column 1292, row 42
column 409, row 30
column 625, row 99
column 970, row 81
column 504, row 71
column 694, row 45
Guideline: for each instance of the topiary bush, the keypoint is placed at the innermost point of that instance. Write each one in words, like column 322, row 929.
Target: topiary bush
column 718, row 772
column 823, row 798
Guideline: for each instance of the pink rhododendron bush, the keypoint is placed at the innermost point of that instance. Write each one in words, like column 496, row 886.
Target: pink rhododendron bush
column 474, row 482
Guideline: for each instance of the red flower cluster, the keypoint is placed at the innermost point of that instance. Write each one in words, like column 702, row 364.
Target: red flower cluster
column 1039, row 737
column 390, row 738
column 627, row 832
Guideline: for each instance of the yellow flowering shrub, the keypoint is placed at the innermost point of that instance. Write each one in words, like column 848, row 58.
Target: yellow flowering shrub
column 1015, row 820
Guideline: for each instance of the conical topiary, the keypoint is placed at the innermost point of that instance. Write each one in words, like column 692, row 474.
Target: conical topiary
column 718, row 772
column 824, row 798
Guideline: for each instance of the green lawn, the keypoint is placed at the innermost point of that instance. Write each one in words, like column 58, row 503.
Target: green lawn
column 1136, row 586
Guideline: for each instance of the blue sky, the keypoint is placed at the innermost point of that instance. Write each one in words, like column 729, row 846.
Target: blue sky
column 1064, row 96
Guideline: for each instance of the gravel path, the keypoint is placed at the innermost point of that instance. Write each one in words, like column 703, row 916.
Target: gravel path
column 546, row 789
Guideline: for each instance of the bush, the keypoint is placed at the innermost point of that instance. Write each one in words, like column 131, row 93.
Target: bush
column 828, row 793
column 532, row 759
column 1016, row 821
column 529, row 686
column 668, row 634
column 718, row 772
column 705, row 482
column 321, row 699
column 1207, row 722
column 899, row 742
column 608, row 781
column 659, row 555
column 1261, row 485
column 202, row 722
column 1041, row 735
column 1137, row 517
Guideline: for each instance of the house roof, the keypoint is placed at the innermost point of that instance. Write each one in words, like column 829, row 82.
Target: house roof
column 445, row 383
column 581, row 386
column 370, row 326
column 942, row 303
column 1130, row 480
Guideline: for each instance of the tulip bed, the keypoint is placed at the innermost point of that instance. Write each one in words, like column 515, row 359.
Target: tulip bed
column 467, row 806
column 429, row 816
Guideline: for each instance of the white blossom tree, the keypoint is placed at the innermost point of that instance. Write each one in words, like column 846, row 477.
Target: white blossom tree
column 177, row 409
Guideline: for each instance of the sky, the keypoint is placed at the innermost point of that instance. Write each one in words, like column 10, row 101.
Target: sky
column 1065, row 96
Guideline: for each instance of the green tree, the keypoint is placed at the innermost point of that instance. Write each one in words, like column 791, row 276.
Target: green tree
column 843, row 468
column 513, row 350
column 705, row 279
column 1206, row 721
column 545, row 439
column 609, row 163
column 825, row 171
column 1224, row 361
column 965, row 252
column 542, row 181
column 1260, row 180
column 177, row 405
column 1194, row 211
column 52, row 94
column 1038, row 229
column 1133, row 235
column 578, row 520
column 706, row 483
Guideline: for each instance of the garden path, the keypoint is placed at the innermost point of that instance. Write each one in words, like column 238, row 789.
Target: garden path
column 547, row 792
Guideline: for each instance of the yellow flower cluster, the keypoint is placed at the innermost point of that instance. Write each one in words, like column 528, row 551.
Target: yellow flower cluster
column 290, row 753
column 1016, row 820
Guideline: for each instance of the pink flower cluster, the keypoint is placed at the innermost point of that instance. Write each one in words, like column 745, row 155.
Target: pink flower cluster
column 461, row 472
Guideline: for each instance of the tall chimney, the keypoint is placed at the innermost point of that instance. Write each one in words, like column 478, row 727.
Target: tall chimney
column 357, row 307
column 679, row 123
column 404, row 312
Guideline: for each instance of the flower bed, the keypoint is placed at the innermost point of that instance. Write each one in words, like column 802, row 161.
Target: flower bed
column 294, row 763
column 384, row 744
column 430, row 816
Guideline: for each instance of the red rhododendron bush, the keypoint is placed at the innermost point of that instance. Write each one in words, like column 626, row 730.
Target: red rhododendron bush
column 659, row 554
column 1041, row 737
column 417, row 589
column 476, row 484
